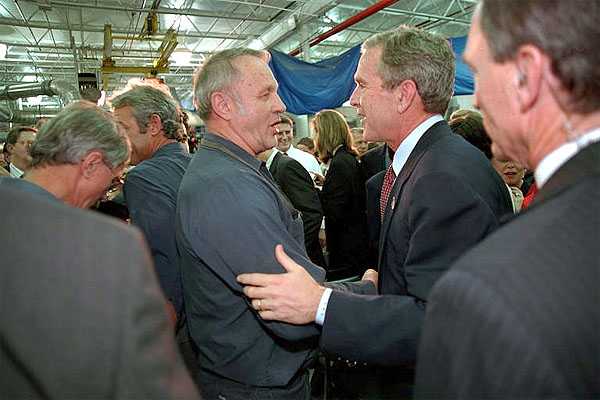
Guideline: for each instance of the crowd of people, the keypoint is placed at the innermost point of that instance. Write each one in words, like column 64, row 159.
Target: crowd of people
column 412, row 256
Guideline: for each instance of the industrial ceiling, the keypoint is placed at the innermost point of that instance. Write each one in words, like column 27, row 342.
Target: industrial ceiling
column 116, row 40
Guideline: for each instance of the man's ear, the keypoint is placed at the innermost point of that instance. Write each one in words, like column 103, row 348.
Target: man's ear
column 154, row 125
column 222, row 104
column 405, row 94
column 10, row 148
column 91, row 163
column 528, row 75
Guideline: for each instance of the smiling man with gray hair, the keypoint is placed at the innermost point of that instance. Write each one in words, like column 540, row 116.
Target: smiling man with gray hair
column 439, row 197
column 75, row 156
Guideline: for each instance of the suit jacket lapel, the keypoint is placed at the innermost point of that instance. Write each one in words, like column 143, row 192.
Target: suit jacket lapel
column 275, row 163
column 433, row 134
column 584, row 164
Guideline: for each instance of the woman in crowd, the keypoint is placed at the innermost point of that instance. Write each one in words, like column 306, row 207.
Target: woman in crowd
column 342, row 197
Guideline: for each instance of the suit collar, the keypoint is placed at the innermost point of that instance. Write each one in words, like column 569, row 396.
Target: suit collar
column 433, row 134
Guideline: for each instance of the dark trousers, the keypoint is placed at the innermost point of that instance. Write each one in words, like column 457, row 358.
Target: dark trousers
column 213, row 387
column 364, row 383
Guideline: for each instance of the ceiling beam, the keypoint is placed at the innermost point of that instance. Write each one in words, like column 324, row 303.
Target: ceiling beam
column 159, row 10
column 100, row 29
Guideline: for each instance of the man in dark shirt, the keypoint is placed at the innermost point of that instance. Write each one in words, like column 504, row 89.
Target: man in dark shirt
column 150, row 117
column 230, row 216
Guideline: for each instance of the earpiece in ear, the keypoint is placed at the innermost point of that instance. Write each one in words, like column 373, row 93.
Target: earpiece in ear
column 521, row 78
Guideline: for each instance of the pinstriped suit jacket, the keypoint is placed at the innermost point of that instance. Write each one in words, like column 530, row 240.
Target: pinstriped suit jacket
column 519, row 315
column 81, row 314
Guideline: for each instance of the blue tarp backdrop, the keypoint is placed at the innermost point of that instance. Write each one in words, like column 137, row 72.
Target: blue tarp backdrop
column 307, row 88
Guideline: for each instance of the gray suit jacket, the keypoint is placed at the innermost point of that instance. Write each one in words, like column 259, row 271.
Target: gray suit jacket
column 518, row 316
column 81, row 315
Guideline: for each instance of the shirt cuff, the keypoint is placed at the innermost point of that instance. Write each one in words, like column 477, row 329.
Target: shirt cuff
column 320, row 317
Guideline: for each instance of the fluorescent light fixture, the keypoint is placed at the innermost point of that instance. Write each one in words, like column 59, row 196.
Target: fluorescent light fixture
column 3, row 49
column 182, row 57
column 256, row 44
column 35, row 101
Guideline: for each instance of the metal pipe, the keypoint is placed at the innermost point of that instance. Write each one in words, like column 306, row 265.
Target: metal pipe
column 349, row 22
column 6, row 114
column 415, row 14
column 13, row 92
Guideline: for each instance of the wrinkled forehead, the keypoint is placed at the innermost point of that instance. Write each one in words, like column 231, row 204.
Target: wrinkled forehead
column 253, row 69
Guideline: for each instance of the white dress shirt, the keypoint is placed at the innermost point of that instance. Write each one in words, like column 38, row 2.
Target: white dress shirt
column 15, row 172
column 308, row 161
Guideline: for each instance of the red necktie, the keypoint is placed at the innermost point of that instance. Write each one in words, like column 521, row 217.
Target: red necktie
column 386, row 188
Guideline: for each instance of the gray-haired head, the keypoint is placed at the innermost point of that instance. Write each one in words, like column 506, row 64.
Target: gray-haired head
column 566, row 31
column 413, row 54
column 218, row 73
column 80, row 128
column 147, row 100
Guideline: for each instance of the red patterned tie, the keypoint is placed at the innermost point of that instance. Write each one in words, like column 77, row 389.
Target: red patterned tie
column 386, row 188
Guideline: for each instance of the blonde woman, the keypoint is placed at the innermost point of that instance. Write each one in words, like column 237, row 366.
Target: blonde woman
column 342, row 197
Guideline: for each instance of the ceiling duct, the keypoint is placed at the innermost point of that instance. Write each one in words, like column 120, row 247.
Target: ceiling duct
column 21, row 90
column 6, row 114
column 66, row 91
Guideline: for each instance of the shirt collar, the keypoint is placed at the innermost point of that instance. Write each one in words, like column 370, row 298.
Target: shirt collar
column 271, row 158
column 169, row 148
column 291, row 150
column 410, row 142
column 15, row 172
column 559, row 156
column 234, row 148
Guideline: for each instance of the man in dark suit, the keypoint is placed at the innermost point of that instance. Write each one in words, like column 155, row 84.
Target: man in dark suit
column 373, row 163
column 376, row 160
column 518, row 316
column 440, row 196
column 82, row 315
column 293, row 180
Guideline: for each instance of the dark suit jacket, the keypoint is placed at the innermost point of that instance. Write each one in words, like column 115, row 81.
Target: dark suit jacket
column 293, row 180
column 81, row 311
column 518, row 316
column 373, row 187
column 373, row 161
column 343, row 200
column 445, row 200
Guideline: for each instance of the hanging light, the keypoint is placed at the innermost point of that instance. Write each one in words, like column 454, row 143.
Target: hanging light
column 182, row 57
